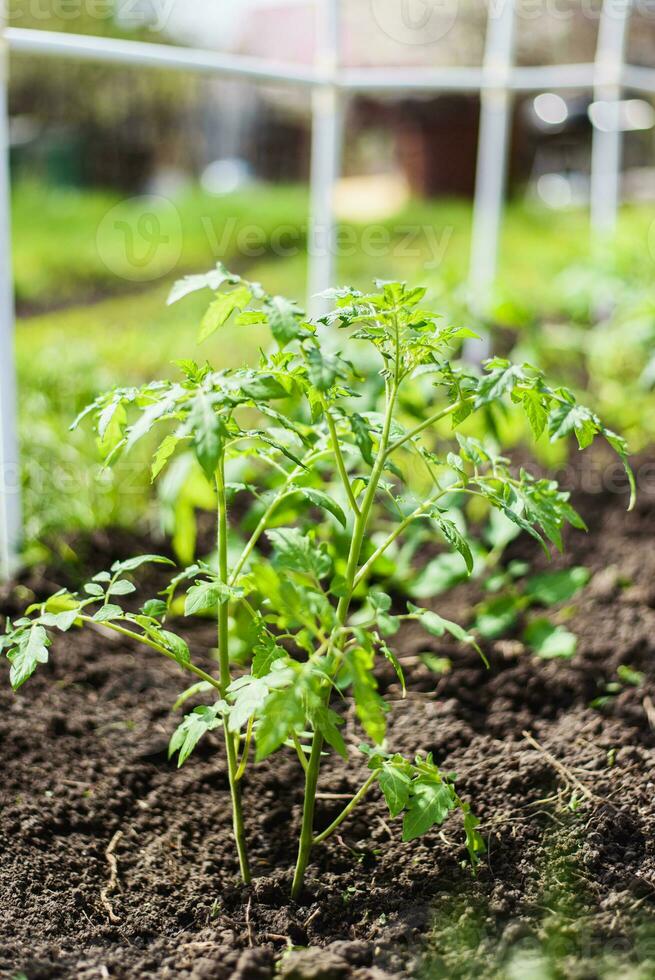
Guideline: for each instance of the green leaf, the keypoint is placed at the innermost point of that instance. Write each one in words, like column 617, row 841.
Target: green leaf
column 173, row 643
column 164, row 452
column 326, row 721
column 454, row 537
column 628, row 675
column 204, row 718
column 62, row 621
column 131, row 564
column 549, row 641
column 362, row 433
column 496, row 616
column 208, row 430
column 322, row 500
column 535, row 412
column 395, row 785
column 323, row 369
column 429, row 804
column 370, row 708
column 283, row 319
column 475, row 844
column 205, row 596
column 30, row 651
column 106, row 613
column 95, row 590
column 191, row 284
column 436, row 625
column 283, row 712
column 265, row 653
column 221, row 309
column 549, row 588
column 299, row 552
column 395, row 663
column 121, row 587
column 438, row 576
column 156, row 608
column 248, row 695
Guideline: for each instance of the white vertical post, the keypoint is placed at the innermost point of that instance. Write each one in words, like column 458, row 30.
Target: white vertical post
column 327, row 130
column 10, row 509
column 491, row 168
column 606, row 147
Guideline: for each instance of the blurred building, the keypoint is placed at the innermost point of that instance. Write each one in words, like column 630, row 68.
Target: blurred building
column 123, row 127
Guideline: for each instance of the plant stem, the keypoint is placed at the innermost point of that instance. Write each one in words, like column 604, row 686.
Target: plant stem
column 441, row 414
column 359, row 795
column 313, row 766
column 341, row 466
column 225, row 679
column 397, row 531
column 307, row 829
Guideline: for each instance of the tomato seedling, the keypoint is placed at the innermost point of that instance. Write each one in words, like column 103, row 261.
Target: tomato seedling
column 314, row 625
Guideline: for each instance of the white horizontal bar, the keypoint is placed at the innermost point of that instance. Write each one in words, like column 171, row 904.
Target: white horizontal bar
column 471, row 79
column 81, row 47
column 638, row 78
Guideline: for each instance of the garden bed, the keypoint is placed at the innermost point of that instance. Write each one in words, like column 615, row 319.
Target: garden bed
column 115, row 864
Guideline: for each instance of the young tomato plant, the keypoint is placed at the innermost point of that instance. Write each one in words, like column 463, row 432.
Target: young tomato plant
column 314, row 627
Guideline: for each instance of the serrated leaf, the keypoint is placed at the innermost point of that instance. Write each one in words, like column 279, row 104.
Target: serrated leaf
column 247, row 695
column 191, row 284
column 283, row 319
column 30, row 651
column 164, row 452
column 265, row 653
column 362, row 432
column 221, row 309
column 429, row 805
column 535, row 412
column 369, row 706
column 322, row 368
column 395, row 786
column 208, row 433
column 203, row 719
column 326, row 721
column 204, row 596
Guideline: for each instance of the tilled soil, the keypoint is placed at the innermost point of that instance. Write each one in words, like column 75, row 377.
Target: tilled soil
column 117, row 864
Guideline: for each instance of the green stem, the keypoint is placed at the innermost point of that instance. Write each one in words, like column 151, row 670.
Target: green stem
column 397, row 531
column 268, row 513
column 307, row 828
column 225, row 679
column 341, row 466
column 441, row 414
column 359, row 795
column 314, row 764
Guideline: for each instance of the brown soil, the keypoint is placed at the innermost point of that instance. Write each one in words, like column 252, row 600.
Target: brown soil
column 85, row 767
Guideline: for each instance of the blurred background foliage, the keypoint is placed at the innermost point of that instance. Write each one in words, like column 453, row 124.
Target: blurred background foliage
column 124, row 180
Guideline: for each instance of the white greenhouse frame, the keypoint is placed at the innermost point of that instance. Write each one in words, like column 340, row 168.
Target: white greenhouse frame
column 495, row 81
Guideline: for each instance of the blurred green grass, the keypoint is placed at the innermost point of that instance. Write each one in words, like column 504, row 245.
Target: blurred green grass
column 94, row 328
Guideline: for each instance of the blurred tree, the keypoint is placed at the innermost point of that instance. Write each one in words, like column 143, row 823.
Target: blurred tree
column 99, row 124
